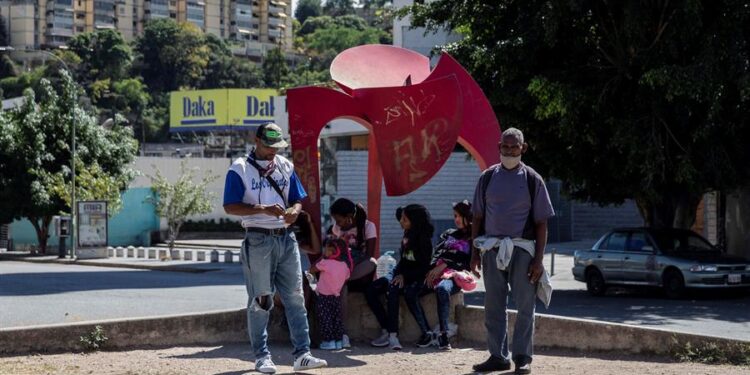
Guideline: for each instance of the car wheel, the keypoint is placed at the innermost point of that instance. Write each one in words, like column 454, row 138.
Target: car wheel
column 674, row 284
column 595, row 283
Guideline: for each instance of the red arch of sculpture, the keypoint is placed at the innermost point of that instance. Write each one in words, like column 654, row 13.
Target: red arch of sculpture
column 416, row 124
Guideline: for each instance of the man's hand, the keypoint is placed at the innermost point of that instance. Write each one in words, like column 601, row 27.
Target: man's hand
column 476, row 264
column 290, row 215
column 535, row 271
column 275, row 210
column 398, row 281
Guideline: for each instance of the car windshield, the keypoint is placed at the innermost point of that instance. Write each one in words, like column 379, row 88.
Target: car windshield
column 682, row 242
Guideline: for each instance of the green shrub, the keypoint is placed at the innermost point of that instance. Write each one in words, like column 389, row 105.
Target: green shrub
column 713, row 353
column 94, row 340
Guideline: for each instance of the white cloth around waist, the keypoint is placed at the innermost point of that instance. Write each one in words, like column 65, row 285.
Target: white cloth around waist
column 505, row 248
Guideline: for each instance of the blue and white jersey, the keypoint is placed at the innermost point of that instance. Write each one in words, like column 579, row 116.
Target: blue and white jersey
column 245, row 185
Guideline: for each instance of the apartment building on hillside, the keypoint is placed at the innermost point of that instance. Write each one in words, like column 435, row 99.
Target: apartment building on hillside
column 251, row 26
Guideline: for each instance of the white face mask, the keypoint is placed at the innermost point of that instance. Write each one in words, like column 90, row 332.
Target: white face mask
column 510, row 162
column 263, row 163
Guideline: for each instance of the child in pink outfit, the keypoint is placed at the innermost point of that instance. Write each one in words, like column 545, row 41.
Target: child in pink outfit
column 333, row 273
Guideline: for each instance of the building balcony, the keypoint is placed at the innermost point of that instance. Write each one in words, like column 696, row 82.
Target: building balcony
column 56, row 31
column 244, row 30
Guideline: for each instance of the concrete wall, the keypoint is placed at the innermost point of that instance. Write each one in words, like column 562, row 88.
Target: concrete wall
column 230, row 326
column 130, row 226
column 590, row 221
column 589, row 335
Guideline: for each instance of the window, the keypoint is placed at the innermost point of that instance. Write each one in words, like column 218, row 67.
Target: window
column 616, row 241
column 637, row 241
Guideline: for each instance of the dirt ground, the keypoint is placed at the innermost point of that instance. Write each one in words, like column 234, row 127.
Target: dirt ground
column 236, row 359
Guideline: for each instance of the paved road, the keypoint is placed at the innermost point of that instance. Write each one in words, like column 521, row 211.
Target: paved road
column 32, row 294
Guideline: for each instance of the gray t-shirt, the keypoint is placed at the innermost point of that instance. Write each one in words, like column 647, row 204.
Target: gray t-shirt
column 506, row 204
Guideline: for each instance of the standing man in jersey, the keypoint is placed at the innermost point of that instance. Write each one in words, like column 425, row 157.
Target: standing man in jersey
column 511, row 208
column 265, row 191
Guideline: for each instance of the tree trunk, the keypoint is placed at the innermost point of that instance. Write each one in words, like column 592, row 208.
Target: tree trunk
column 675, row 209
column 42, row 230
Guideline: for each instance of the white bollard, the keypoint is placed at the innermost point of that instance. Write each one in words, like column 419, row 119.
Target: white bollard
column 131, row 252
column 151, row 253
column 163, row 253
column 119, row 251
column 141, row 253
column 110, row 252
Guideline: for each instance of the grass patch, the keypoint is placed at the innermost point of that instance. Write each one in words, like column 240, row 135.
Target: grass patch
column 713, row 353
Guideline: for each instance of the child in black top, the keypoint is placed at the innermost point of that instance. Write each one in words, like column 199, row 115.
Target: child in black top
column 408, row 277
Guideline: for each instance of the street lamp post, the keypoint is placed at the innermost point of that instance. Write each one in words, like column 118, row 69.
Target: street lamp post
column 72, row 151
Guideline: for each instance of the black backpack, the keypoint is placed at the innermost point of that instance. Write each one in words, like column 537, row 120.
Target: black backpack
column 529, row 231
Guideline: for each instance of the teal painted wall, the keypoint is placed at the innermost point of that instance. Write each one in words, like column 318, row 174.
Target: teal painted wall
column 131, row 226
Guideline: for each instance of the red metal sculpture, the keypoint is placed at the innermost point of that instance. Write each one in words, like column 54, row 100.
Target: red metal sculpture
column 415, row 116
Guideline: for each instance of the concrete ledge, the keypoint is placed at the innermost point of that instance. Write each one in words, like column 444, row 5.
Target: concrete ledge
column 230, row 326
column 209, row 327
column 582, row 334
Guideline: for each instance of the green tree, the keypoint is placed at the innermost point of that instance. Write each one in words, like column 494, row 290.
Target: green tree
column 349, row 21
column 7, row 67
column 225, row 70
column 132, row 99
column 308, row 8
column 104, row 54
column 35, row 154
column 176, row 201
column 171, row 55
column 336, row 8
column 644, row 100
column 339, row 38
column 275, row 68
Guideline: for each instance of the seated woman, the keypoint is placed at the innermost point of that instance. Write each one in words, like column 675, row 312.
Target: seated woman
column 352, row 226
column 452, row 254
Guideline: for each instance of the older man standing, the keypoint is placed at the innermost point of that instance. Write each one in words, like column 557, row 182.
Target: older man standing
column 511, row 208
column 265, row 191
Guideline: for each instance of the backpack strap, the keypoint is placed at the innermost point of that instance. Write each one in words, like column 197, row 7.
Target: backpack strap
column 529, row 229
column 484, row 182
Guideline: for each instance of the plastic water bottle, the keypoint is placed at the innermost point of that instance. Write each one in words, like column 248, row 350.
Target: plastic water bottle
column 386, row 264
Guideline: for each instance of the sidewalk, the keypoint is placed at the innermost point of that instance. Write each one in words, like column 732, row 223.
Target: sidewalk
column 236, row 359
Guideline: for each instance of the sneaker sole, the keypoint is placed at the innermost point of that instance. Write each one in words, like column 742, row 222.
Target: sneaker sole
column 311, row 367
column 378, row 345
column 265, row 371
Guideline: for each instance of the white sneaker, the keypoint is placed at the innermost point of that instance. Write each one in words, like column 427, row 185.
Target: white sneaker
column 308, row 362
column 382, row 340
column 345, row 341
column 265, row 365
column 393, row 342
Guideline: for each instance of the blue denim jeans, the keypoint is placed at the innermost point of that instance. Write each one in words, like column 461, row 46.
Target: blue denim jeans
column 271, row 263
column 498, row 284
column 443, row 293
column 389, row 320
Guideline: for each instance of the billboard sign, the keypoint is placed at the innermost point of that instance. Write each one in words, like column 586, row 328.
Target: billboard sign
column 221, row 109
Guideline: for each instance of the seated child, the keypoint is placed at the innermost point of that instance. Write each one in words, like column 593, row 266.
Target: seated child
column 333, row 273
